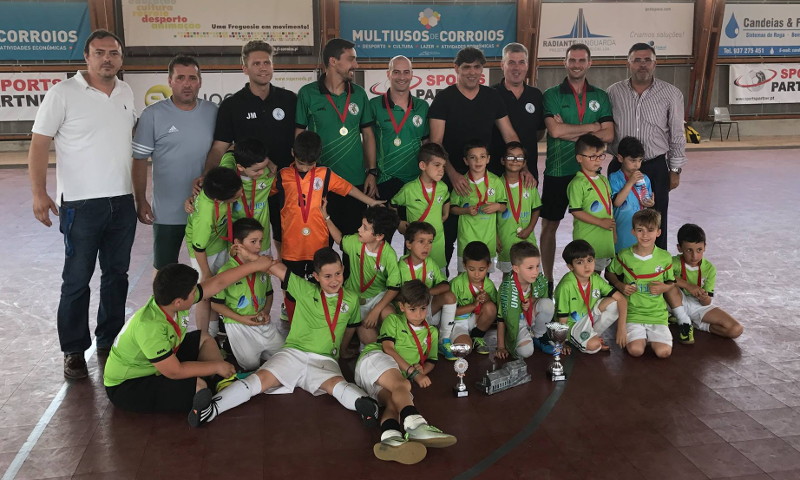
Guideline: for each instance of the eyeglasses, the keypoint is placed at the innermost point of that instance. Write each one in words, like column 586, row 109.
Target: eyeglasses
column 512, row 158
column 602, row 156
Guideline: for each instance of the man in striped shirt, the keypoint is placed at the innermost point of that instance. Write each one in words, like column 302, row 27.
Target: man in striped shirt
column 651, row 110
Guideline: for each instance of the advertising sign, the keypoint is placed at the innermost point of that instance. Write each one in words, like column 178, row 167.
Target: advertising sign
column 760, row 30
column 43, row 30
column 420, row 30
column 425, row 85
column 22, row 93
column 764, row 83
column 609, row 29
column 197, row 23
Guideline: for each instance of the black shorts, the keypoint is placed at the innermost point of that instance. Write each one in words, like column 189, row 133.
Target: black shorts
column 554, row 197
column 157, row 393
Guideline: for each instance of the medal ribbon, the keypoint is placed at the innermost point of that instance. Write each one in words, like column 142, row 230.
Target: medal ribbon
column 478, row 191
column 413, row 271
column 365, row 286
column 635, row 192
column 521, row 294
column 586, row 295
column 580, row 104
column 422, row 355
column 699, row 272
column 229, row 238
column 396, row 127
column 427, row 199
column 516, row 213
column 175, row 326
column 332, row 325
column 251, row 282
column 342, row 115
column 250, row 207
column 475, row 293
column 305, row 204
column 606, row 204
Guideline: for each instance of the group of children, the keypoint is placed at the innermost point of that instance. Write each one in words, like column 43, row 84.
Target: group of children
column 404, row 311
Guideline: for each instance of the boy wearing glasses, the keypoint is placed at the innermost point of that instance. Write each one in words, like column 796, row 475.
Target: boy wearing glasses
column 517, row 222
column 589, row 196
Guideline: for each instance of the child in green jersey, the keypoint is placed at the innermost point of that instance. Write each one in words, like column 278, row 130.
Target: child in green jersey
column 590, row 200
column 251, row 161
column 644, row 274
column 587, row 303
column 209, row 231
column 405, row 353
column 477, row 220
column 309, row 357
column 517, row 222
column 245, row 305
column 476, row 296
column 696, row 277
column 374, row 273
column 154, row 365
column 417, row 264
column 522, row 313
column 427, row 198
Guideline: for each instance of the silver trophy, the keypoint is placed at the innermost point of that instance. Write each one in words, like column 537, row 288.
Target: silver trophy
column 461, row 350
column 558, row 333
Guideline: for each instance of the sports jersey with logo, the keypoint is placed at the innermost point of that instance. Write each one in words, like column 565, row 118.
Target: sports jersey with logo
column 524, row 201
column 460, row 286
column 509, row 308
column 427, row 271
column 623, row 215
column 643, row 306
column 706, row 272
column 253, row 202
column 396, row 329
column 594, row 199
column 416, row 205
column 570, row 300
column 379, row 273
column 207, row 228
column 239, row 296
column 397, row 152
column 481, row 227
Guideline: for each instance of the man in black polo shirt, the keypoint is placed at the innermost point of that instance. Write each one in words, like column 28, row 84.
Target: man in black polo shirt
column 463, row 112
column 524, row 104
column 259, row 110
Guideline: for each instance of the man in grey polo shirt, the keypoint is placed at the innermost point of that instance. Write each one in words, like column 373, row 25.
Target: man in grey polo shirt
column 176, row 133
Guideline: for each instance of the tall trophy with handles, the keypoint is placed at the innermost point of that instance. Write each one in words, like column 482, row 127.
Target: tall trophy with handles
column 558, row 332
column 461, row 350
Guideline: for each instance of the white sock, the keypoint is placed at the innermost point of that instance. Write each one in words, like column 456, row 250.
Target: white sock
column 681, row 315
column 347, row 394
column 236, row 394
column 413, row 421
column 390, row 434
column 705, row 327
column 448, row 320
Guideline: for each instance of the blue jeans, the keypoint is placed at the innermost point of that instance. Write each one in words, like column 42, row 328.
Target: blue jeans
column 104, row 226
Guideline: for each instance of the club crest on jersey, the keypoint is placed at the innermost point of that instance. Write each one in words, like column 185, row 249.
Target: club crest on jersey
column 416, row 120
column 490, row 192
column 526, row 195
column 261, row 185
column 345, row 307
column 430, row 275
column 278, row 114
column 440, row 199
column 263, row 278
column 659, row 269
column 594, row 105
column 530, row 108
column 596, row 293
column 318, row 183
column 353, row 109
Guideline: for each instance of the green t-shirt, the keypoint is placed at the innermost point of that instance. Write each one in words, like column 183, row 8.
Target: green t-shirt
column 343, row 154
column 559, row 100
column 250, row 204
column 386, row 278
column 708, row 274
column 410, row 196
column 481, row 227
column 460, row 288
column 399, row 161
column 146, row 339
column 432, row 274
column 507, row 225
column 395, row 328
column 207, row 226
column 509, row 307
column 644, row 307
column 310, row 331
column 569, row 299
column 238, row 296
column 583, row 196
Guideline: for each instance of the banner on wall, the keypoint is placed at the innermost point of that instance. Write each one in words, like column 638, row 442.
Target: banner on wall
column 609, row 29
column 22, row 93
column 285, row 24
column 419, row 30
column 425, row 85
column 149, row 88
column 760, row 30
column 764, row 83
column 43, row 30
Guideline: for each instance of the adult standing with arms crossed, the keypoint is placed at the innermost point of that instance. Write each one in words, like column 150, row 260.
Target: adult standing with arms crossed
column 176, row 133
column 91, row 118
column 571, row 109
column 651, row 110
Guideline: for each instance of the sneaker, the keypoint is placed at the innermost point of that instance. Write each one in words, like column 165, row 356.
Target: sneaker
column 398, row 449
column 367, row 407
column 75, row 366
column 203, row 408
column 672, row 319
column 479, row 345
column 445, row 351
column 543, row 345
column 430, row 436
column 686, row 334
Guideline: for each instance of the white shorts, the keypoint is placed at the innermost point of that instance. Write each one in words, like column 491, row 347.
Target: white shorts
column 463, row 326
column 694, row 309
column 252, row 346
column 215, row 262
column 582, row 331
column 294, row 368
column 460, row 264
column 370, row 304
column 369, row 369
column 651, row 333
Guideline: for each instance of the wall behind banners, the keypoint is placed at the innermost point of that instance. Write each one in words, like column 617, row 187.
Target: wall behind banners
column 22, row 93
column 43, row 31
column 760, row 30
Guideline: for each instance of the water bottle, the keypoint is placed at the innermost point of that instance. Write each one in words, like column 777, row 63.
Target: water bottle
column 641, row 187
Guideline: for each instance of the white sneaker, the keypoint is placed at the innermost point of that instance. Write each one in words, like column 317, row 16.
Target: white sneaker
column 395, row 448
column 430, row 436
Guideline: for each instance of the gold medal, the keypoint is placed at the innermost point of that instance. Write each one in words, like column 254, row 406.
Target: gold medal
column 397, row 142
column 306, row 231
column 343, row 131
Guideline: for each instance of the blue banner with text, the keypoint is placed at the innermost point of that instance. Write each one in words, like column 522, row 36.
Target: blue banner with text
column 43, row 30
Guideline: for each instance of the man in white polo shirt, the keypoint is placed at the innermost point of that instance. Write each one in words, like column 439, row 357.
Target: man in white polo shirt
column 91, row 118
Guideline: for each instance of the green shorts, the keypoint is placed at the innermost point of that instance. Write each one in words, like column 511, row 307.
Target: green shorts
column 167, row 240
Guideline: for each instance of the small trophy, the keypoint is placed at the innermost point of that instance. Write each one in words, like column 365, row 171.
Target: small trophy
column 558, row 332
column 460, row 350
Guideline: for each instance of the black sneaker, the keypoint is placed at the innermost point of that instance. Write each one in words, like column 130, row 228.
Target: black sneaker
column 75, row 366
column 367, row 407
column 203, row 408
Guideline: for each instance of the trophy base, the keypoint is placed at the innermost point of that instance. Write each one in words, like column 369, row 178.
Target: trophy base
column 556, row 377
column 460, row 393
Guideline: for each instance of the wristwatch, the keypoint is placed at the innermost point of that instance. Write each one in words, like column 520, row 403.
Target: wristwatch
column 372, row 171
column 676, row 171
